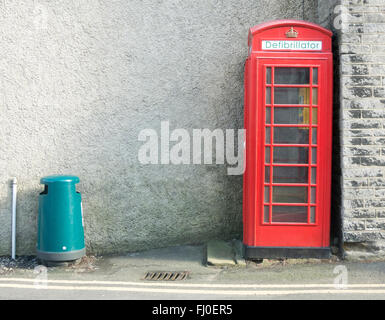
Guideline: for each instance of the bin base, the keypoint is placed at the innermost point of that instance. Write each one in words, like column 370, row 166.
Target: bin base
column 61, row 256
column 285, row 252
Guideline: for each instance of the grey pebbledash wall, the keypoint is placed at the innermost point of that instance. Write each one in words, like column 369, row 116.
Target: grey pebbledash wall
column 81, row 78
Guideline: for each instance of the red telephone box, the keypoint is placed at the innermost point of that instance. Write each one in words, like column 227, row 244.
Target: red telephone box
column 288, row 121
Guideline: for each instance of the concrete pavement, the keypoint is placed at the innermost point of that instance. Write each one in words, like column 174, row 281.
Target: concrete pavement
column 121, row 277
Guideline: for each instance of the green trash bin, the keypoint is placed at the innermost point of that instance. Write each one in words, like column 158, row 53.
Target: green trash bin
column 60, row 220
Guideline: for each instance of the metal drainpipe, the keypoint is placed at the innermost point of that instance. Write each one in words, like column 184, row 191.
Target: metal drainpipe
column 13, row 233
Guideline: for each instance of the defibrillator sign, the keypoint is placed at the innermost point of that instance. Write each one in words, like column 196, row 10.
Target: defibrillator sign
column 291, row 45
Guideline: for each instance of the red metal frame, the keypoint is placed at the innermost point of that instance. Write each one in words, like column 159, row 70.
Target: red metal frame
column 258, row 231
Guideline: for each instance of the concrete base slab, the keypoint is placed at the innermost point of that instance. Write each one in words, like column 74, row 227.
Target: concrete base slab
column 238, row 253
column 220, row 253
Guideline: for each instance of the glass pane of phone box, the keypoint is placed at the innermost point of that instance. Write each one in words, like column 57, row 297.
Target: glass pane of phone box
column 289, row 214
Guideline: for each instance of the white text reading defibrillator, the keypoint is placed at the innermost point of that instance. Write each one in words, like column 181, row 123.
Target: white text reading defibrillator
column 291, row 45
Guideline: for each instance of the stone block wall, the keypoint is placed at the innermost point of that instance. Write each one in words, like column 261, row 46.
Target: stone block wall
column 362, row 119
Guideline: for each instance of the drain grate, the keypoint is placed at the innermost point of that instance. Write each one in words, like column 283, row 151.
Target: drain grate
column 166, row 275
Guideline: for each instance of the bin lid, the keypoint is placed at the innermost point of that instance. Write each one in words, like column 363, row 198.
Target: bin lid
column 59, row 178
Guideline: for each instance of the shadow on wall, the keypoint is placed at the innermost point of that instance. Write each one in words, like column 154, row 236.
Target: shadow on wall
column 327, row 12
column 336, row 223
